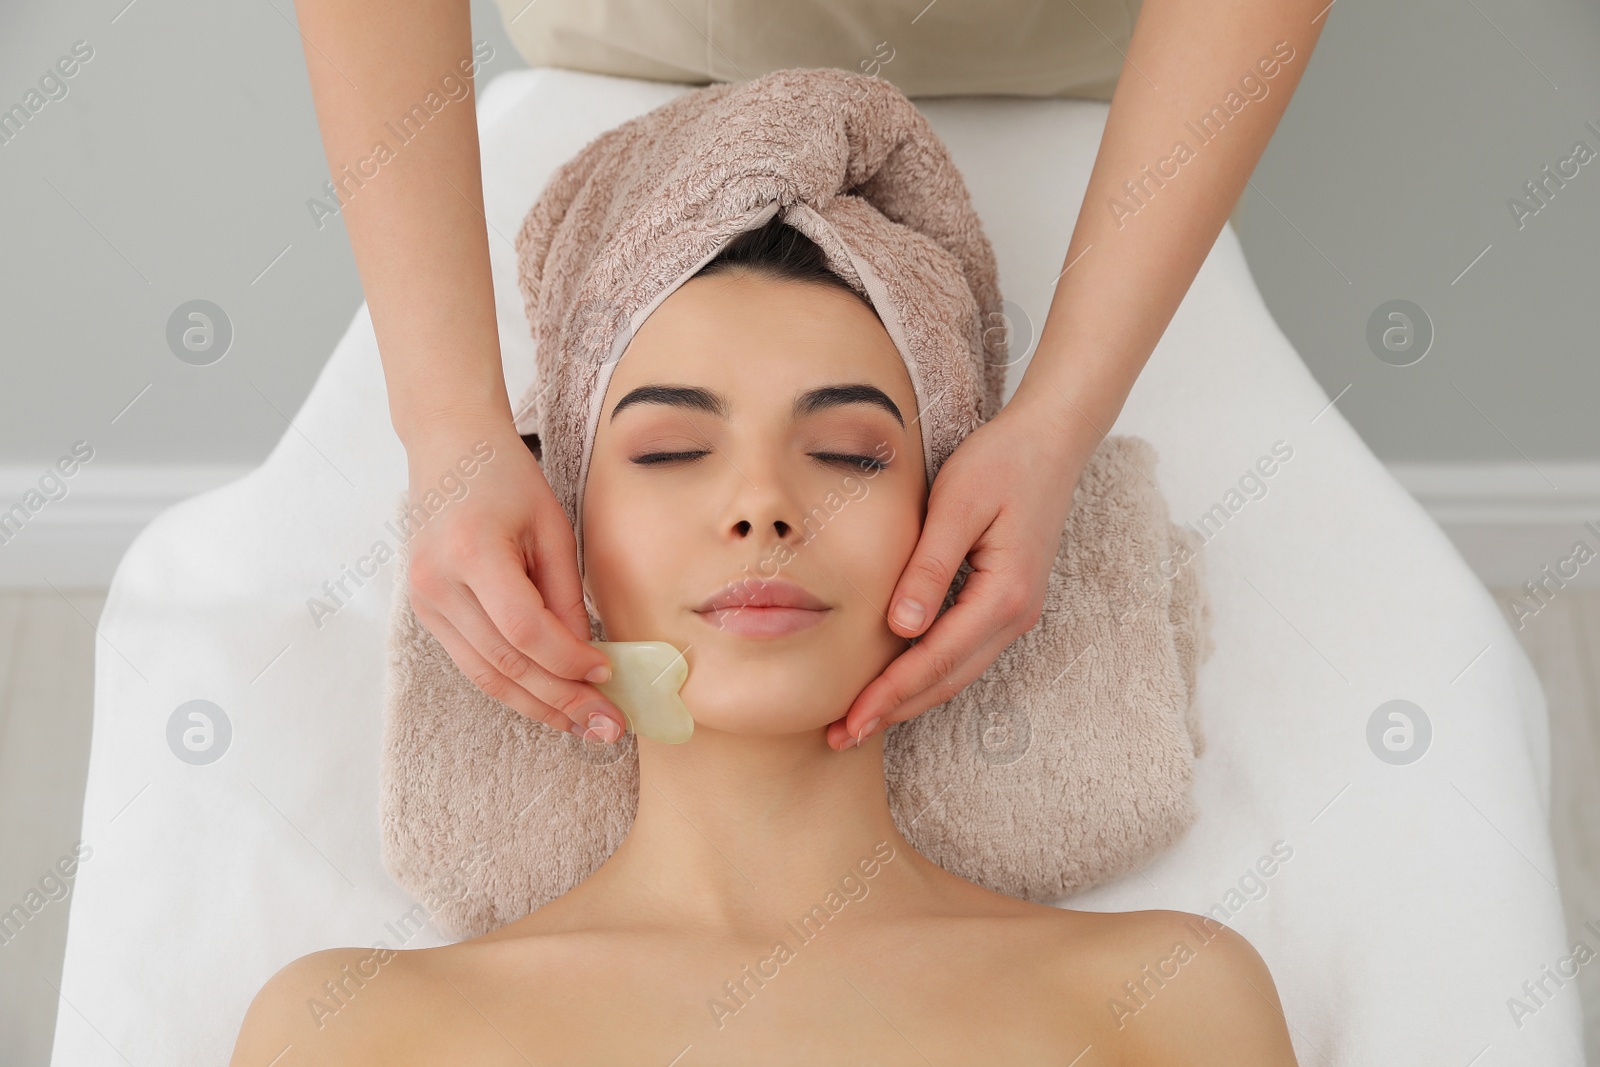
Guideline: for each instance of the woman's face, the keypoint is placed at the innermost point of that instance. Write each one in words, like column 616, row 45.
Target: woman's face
column 747, row 435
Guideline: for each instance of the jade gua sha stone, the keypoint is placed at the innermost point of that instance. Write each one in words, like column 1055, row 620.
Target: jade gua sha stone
column 645, row 679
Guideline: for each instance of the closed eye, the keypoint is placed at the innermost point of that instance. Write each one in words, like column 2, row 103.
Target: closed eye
column 647, row 459
column 864, row 463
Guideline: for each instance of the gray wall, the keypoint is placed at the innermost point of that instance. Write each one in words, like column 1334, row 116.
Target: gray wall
column 178, row 165
column 176, row 168
column 1414, row 125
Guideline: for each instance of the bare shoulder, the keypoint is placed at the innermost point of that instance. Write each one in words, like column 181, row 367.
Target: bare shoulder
column 1183, row 988
column 336, row 1006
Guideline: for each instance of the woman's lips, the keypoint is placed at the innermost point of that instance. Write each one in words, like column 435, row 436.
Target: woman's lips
column 773, row 607
column 750, row 621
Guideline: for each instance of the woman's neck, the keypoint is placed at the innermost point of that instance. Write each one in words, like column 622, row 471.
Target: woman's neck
column 734, row 830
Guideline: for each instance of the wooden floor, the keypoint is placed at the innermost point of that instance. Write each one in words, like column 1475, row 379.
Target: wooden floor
column 46, row 695
column 46, row 700
column 1563, row 640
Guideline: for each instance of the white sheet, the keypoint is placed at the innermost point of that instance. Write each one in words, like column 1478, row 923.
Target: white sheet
column 1417, row 900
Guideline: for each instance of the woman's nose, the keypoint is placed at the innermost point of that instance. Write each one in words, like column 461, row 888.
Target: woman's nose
column 781, row 528
column 765, row 509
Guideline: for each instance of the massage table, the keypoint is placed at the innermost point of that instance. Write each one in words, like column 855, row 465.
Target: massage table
column 1399, row 901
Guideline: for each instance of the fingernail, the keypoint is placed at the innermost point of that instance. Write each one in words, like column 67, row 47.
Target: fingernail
column 603, row 729
column 908, row 613
column 866, row 731
column 596, row 710
column 601, row 673
column 849, row 742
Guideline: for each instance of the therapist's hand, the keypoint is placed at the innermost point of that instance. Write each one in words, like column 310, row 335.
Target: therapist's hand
column 1001, row 502
column 494, row 576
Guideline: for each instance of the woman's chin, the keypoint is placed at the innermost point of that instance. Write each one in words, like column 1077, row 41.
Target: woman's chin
column 764, row 686
column 756, row 711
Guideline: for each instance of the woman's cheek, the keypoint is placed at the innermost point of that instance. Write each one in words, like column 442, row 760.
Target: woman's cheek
column 646, row 561
column 874, row 540
column 607, row 562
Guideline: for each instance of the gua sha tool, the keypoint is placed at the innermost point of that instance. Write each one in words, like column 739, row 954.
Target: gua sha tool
column 645, row 679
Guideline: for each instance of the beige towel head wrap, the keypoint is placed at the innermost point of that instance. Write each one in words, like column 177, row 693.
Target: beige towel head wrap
column 845, row 159
column 1067, row 763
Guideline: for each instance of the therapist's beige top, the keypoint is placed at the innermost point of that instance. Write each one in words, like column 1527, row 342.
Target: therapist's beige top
column 943, row 48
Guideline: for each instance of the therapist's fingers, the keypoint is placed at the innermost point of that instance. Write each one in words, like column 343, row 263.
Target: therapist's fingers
column 486, row 677
column 519, row 557
column 552, row 550
column 955, row 652
column 952, row 527
column 1000, row 501
column 493, row 555
column 498, row 668
column 522, row 631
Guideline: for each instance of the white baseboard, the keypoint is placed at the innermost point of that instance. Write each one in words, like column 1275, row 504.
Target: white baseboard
column 1512, row 520
column 76, row 541
column 1508, row 520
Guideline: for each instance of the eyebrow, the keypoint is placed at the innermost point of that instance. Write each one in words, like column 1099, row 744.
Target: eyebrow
column 696, row 398
column 690, row 397
column 839, row 395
